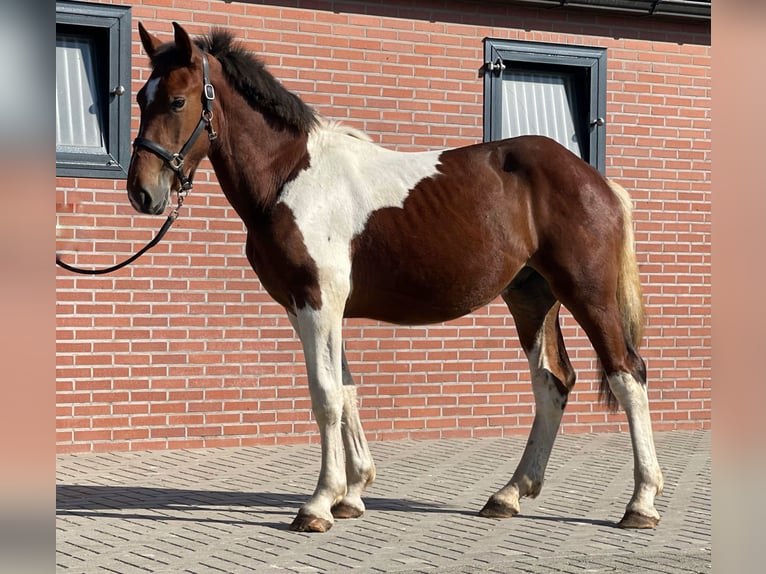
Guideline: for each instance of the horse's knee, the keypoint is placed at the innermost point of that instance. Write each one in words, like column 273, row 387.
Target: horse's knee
column 327, row 410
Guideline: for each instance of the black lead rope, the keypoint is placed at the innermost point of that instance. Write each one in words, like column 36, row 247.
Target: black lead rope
column 176, row 163
column 157, row 238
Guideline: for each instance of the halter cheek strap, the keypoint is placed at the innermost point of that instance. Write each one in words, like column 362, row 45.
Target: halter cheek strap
column 175, row 161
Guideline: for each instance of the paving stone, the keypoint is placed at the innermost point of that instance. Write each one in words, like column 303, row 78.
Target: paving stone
column 227, row 510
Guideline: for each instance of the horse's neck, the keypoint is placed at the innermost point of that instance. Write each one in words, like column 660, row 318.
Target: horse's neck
column 252, row 162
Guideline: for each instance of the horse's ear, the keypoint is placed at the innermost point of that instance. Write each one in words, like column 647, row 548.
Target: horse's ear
column 149, row 41
column 183, row 43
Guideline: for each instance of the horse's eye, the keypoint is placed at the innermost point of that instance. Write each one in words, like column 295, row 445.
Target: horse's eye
column 178, row 104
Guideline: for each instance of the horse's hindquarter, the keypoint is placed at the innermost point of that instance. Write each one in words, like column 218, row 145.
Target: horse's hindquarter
column 453, row 245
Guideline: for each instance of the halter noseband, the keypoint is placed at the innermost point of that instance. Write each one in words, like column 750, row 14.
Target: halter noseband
column 175, row 161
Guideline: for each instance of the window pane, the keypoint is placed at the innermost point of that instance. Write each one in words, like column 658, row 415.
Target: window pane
column 79, row 118
column 541, row 104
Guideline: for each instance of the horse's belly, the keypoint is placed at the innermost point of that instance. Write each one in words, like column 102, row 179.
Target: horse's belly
column 407, row 309
column 419, row 285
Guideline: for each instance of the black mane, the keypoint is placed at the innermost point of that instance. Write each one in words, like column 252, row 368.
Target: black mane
column 250, row 78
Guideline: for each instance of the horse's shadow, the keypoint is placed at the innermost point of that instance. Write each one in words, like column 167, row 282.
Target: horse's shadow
column 225, row 507
column 209, row 506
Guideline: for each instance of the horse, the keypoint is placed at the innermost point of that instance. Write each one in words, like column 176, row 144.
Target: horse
column 340, row 227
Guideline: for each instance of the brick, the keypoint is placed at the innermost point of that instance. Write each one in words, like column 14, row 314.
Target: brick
column 188, row 332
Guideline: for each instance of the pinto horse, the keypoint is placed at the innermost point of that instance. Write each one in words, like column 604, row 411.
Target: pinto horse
column 338, row 226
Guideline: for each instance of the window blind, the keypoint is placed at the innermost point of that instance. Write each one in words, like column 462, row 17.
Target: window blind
column 78, row 116
column 539, row 104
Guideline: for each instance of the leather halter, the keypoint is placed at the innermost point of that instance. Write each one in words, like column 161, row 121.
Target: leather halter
column 176, row 162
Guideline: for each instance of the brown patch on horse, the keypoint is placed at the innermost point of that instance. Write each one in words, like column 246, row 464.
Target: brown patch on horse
column 535, row 311
column 278, row 255
column 394, row 278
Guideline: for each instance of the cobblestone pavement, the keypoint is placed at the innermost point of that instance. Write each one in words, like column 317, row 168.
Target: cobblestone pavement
column 227, row 510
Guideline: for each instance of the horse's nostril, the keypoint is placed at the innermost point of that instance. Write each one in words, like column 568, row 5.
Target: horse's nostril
column 140, row 199
column 144, row 200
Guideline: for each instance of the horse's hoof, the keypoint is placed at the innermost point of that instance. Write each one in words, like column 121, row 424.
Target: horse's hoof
column 345, row 510
column 306, row 523
column 497, row 509
column 633, row 519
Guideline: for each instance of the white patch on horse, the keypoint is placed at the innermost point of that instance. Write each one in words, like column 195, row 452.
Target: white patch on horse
column 320, row 334
column 632, row 396
column 350, row 178
column 548, row 413
column 151, row 90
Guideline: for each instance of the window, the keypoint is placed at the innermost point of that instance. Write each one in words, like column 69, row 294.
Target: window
column 92, row 90
column 547, row 89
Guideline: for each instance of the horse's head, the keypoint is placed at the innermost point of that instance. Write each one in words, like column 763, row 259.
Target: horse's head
column 176, row 107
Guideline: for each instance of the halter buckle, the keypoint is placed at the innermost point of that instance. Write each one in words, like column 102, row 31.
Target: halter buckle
column 176, row 162
column 209, row 92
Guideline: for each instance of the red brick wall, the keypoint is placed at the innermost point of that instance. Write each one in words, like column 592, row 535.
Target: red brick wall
column 184, row 349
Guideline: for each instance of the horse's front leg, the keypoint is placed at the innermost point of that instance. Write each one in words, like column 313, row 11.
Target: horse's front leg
column 320, row 334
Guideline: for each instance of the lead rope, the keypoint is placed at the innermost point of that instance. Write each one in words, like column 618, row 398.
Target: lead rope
column 157, row 238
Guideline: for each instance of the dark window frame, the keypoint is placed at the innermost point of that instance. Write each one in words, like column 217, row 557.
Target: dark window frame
column 587, row 64
column 110, row 26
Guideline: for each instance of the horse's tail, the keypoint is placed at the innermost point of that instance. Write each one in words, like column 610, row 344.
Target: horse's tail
column 629, row 295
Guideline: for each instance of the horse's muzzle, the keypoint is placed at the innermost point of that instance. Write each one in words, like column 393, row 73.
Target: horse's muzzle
column 144, row 202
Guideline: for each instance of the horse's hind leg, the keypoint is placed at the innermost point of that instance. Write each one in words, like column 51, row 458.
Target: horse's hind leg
column 648, row 482
column 360, row 469
column 598, row 314
column 626, row 376
column 536, row 313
